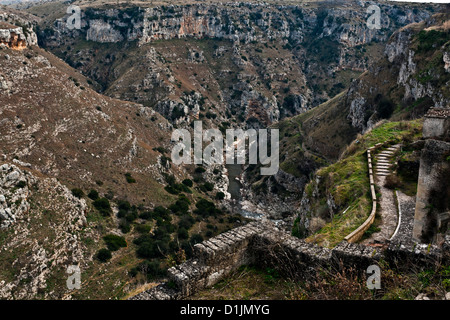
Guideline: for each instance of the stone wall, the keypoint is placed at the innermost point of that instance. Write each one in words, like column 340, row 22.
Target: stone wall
column 436, row 124
column 263, row 244
column 213, row 259
column 433, row 190
column 435, row 127
column 359, row 232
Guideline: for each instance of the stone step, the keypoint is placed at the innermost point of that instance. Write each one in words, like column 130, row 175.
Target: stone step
column 380, row 163
column 386, row 154
column 383, row 174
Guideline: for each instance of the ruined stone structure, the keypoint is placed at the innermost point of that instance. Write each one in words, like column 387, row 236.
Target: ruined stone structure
column 432, row 211
column 437, row 124
column 263, row 244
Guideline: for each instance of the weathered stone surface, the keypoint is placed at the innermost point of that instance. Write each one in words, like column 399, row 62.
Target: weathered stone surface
column 433, row 181
column 261, row 243
column 18, row 36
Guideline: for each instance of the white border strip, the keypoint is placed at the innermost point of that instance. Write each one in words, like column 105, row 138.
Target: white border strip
column 399, row 217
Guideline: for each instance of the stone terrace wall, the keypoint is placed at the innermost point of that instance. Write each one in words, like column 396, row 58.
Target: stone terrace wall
column 263, row 244
column 213, row 259
column 258, row 243
column 357, row 234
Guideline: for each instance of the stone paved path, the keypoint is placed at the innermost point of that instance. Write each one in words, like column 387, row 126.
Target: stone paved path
column 407, row 206
column 388, row 208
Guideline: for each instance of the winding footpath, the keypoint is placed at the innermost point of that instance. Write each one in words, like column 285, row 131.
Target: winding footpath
column 388, row 207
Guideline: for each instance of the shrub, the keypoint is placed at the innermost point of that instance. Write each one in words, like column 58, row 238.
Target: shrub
column 93, row 194
column 124, row 226
column 392, row 182
column 177, row 188
column 151, row 269
column 129, row 178
column 161, row 212
column 186, row 222
column 206, row 208
column 22, row 184
column 170, row 189
column 131, row 216
column 209, row 186
column 143, row 228
column 146, row 250
column 196, row 238
column 104, row 255
column 188, row 182
column 124, row 205
column 77, row 192
column 143, row 238
column 220, row 195
column 183, row 233
column 431, row 39
column 114, row 242
column 181, row 206
column 385, row 108
column 165, row 160
column 153, row 249
column 147, row 215
column 121, row 213
column 103, row 206
column 200, row 170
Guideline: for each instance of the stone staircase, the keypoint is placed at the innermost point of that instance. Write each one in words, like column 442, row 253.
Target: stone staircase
column 383, row 161
column 386, row 200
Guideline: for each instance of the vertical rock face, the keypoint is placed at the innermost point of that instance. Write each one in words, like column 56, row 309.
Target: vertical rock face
column 27, row 204
column 245, row 22
column 412, row 74
column 100, row 31
column 312, row 43
column 15, row 32
column 12, row 37
column 13, row 194
column 446, row 59
column 433, row 190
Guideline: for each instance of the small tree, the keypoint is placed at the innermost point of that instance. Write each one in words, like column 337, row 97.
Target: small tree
column 104, row 255
column 77, row 192
column 103, row 206
column 93, row 194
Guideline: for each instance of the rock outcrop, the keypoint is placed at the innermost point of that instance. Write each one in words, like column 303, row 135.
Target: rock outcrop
column 12, row 37
column 15, row 32
column 41, row 217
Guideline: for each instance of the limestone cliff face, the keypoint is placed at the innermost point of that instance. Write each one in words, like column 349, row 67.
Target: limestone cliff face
column 15, row 32
column 300, row 45
column 13, row 38
column 50, row 246
column 243, row 22
column 412, row 74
